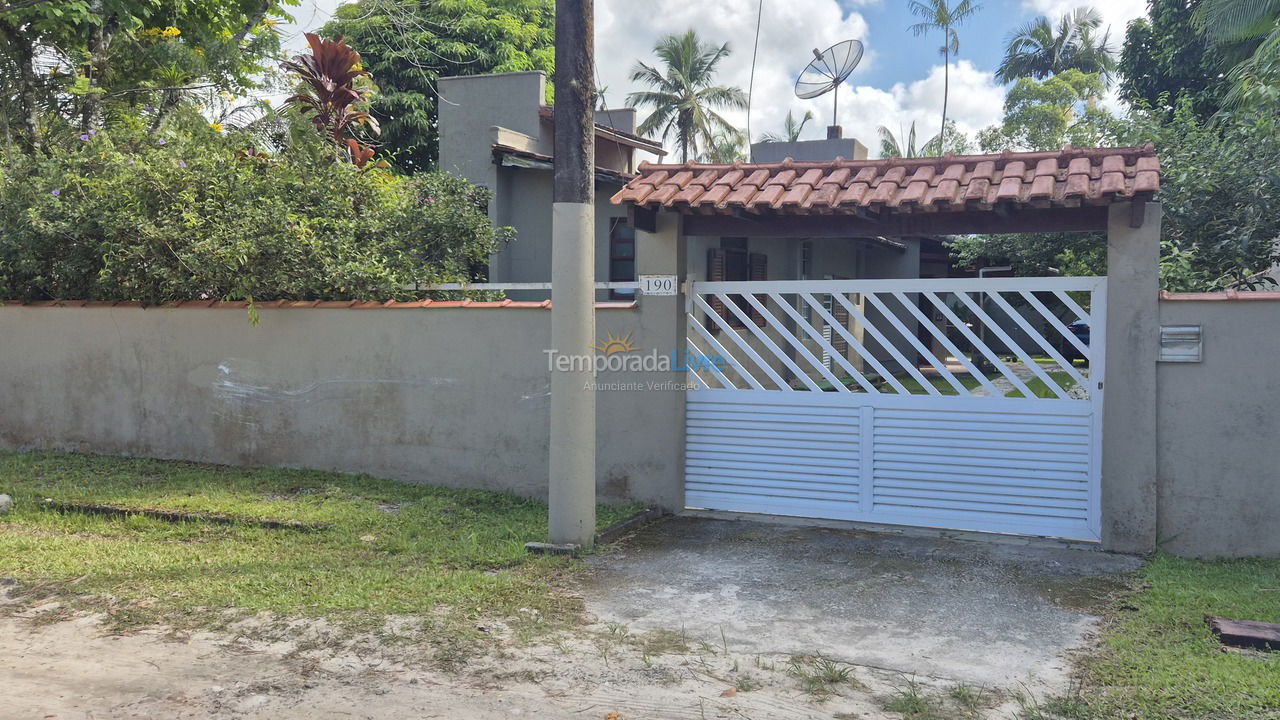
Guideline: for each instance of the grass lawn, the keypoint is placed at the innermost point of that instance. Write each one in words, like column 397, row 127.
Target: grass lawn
column 389, row 548
column 913, row 386
column 1158, row 659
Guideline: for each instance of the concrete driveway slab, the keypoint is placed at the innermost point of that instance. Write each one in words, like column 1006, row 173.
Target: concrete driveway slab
column 994, row 614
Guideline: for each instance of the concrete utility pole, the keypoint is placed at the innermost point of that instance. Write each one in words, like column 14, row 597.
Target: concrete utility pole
column 573, row 324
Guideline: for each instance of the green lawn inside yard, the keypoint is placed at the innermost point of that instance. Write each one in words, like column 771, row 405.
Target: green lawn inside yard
column 388, row 548
column 1158, row 660
column 967, row 381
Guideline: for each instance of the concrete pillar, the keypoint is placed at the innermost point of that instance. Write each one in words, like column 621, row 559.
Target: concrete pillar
column 663, row 326
column 572, row 496
column 1129, row 400
column 573, row 400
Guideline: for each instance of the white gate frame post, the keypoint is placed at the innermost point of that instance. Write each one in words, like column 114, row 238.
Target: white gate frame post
column 1129, row 491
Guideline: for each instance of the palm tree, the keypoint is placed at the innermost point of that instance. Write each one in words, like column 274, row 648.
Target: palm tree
column 726, row 147
column 790, row 129
column 937, row 15
column 890, row 147
column 1038, row 49
column 1226, row 21
column 684, row 98
column 1250, row 28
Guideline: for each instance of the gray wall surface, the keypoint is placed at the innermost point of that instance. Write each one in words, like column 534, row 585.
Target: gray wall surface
column 524, row 202
column 1219, row 432
column 474, row 111
column 454, row 397
column 808, row 150
column 470, row 107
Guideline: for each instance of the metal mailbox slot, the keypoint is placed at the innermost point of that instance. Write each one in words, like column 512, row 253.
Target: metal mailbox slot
column 1180, row 343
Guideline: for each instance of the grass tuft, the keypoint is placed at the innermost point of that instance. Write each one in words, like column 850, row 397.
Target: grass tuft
column 822, row 677
column 913, row 702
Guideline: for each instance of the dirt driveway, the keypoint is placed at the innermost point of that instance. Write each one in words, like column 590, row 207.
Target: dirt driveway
column 692, row 618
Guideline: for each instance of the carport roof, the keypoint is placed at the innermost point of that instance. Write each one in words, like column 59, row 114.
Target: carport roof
column 1069, row 178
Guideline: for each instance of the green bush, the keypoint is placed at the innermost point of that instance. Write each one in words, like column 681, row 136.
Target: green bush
column 126, row 215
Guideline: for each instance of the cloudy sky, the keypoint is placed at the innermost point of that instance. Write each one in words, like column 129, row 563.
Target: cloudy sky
column 899, row 80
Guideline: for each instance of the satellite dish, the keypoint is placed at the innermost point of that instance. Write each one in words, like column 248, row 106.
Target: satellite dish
column 827, row 71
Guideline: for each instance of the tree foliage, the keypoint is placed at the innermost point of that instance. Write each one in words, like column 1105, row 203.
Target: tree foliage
column 683, row 98
column 791, row 128
column 955, row 142
column 1220, row 191
column 69, row 65
column 727, row 147
column 1040, row 49
column 329, row 74
column 1252, row 28
column 196, row 214
column 1049, row 114
column 409, row 45
column 1165, row 59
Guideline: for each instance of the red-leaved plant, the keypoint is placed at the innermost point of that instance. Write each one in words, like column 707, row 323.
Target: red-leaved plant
column 330, row 72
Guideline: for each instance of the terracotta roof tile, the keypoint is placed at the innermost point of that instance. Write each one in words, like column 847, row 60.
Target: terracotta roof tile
column 767, row 196
column 1063, row 178
column 783, row 178
column 731, row 178
column 716, row 194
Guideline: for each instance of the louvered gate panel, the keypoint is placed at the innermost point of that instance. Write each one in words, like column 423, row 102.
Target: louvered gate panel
column 998, row 431
column 770, row 457
column 1022, row 470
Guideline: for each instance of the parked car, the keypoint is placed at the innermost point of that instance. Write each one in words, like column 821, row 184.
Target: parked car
column 1080, row 329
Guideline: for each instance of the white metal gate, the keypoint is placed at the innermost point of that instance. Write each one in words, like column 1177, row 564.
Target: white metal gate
column 970, row 404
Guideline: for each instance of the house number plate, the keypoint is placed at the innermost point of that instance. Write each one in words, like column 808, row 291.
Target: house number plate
column 658, row 284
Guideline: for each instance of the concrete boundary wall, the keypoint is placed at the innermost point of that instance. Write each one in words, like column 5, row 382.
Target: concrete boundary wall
column 449, row 394
column 1218, row 445
column 458, row 394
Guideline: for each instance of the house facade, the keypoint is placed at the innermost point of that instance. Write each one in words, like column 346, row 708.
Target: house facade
column 496, row 131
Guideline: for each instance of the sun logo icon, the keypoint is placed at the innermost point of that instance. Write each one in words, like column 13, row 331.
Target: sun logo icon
column 613, row 344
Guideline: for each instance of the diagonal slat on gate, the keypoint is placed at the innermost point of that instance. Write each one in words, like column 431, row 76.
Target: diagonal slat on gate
column 742, row 344
column 750, row 324
column 824, row 343
column 977, row 343
column 991, row 325
column 941, row 336
column 870, row 327
column 867, row 356
column 787, row 335
column 1055, row 321
column 1039, row 338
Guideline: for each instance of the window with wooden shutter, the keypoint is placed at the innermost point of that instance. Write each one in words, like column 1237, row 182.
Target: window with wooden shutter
column 759, row 271
column 716, row 272
column 622, row 257
column 731, row 262
column 841, row 316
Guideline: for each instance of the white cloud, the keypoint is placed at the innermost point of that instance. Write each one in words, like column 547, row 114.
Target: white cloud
column 1116, row 14
column 976, row 100
column 627, row 29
